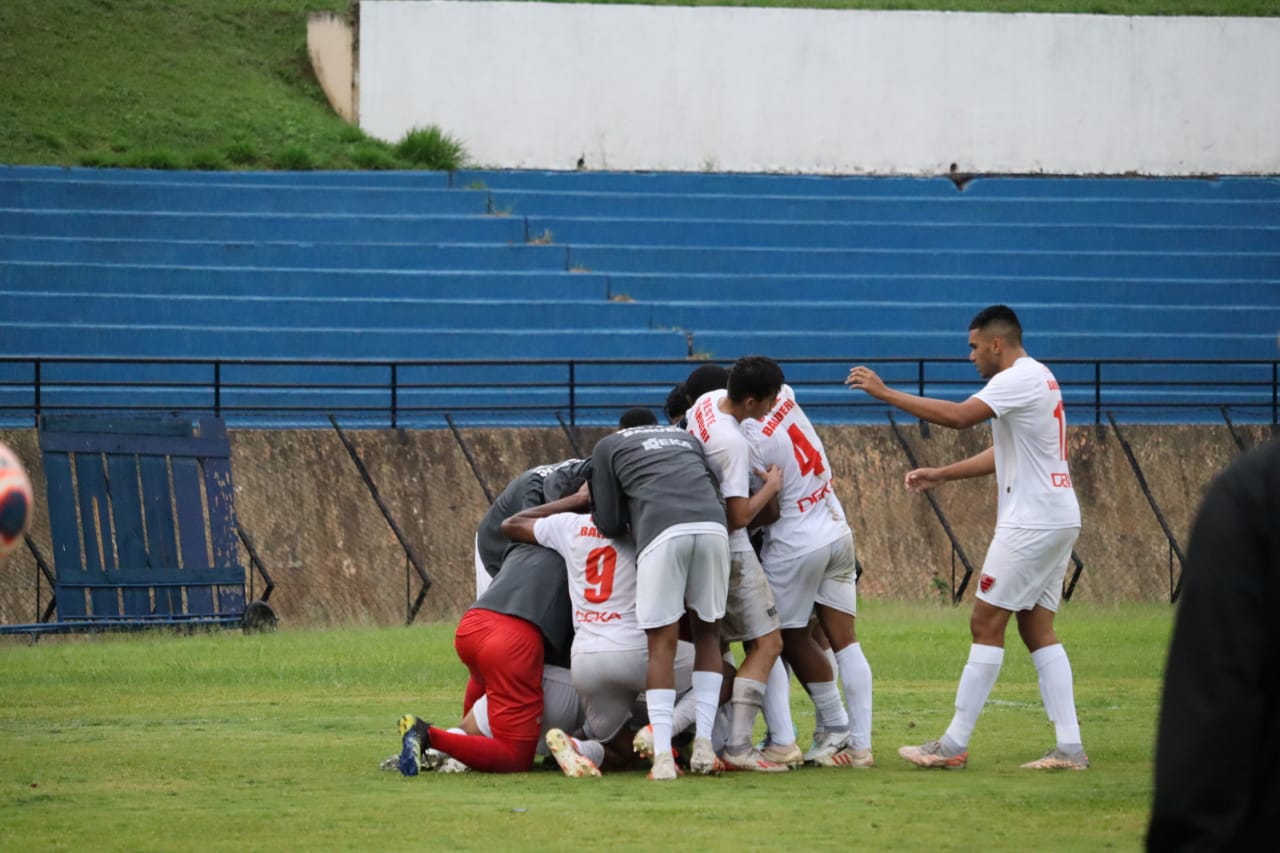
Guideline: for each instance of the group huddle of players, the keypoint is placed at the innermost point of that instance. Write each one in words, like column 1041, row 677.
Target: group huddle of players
column 636, row 569
column 610, row 590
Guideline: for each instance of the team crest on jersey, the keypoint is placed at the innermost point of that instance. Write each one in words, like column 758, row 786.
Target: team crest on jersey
column 986, row 582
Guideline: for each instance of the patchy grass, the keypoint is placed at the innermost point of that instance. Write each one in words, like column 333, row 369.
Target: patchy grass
column 227, row 741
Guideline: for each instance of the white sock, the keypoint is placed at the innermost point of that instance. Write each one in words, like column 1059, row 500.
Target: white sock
column 685, row 713
column 1057, row 691
column 979, row 676
column 660, row 703
column 720, row 731
column 706, row 698
column 835, row 665
column 828, row 710
column 748, row 694
column 592, row 749
column 777, row 706
column 855, row 674
column 455, row 731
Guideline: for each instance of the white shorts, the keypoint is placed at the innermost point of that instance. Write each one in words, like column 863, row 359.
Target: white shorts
column 750, row 612
column 561, row 708
column 688, row 571
column 824, row 576
column 609, row 682
column 1025, row 566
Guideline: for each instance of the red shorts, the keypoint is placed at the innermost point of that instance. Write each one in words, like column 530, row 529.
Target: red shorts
column 504, row 655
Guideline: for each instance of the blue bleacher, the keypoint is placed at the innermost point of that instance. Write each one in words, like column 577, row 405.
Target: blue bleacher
column 507, row 266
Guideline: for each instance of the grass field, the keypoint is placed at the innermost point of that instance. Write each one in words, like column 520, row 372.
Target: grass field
column 271, row 742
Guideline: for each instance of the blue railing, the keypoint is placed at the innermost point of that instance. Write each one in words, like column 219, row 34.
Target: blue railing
column 285, row 393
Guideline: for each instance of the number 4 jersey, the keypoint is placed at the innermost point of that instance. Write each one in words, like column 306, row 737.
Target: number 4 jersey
column 1029, row 434
column 811, row 517
column 602, row 582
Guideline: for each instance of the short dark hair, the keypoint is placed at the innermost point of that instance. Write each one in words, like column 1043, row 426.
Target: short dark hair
column 754, row 376
column 1001, row 316
column 708, row 377
column 639, row 416
column 676, row 404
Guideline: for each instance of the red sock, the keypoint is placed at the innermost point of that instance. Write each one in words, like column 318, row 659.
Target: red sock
column 484, row 753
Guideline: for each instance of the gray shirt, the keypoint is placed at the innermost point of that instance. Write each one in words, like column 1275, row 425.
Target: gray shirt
column 526, row 490
column 649, row 478
column 529, row 581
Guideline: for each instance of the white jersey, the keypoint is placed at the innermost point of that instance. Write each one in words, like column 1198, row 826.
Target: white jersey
column 812, row 517
column 602, row 582
column 728, row 454
column 1030, row 438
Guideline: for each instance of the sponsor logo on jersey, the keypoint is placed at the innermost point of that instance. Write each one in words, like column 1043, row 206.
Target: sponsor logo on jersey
column 596, row 616
column 659, row 443
column 779, row 414
column 1060, row 481
column 986, row 582
column 810, row 501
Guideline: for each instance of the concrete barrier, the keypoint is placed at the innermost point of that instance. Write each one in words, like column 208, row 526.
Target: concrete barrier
column 336, row 561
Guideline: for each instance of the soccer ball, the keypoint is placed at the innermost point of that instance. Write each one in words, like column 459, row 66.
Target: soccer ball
column 15, row 501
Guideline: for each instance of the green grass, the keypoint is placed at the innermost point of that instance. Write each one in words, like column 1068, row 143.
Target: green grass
column 271, row 742
column 209, row 84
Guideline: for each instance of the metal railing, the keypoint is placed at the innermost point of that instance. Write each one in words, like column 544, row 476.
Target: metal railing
column 420, row 393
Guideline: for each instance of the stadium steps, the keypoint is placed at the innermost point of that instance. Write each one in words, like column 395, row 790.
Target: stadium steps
column 513, row 265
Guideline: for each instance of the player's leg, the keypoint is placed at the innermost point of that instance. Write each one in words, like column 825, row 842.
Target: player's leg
column 1002, row 590
column 1053, row 667
column 751, row 617
column 608, row 682
column 508, row 652
column 706, row 593
column 795, row 584
column 661, row 577
column 836, row 602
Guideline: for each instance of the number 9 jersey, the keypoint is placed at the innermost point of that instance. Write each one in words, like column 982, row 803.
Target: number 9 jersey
column 811, row 515
column 602, row 582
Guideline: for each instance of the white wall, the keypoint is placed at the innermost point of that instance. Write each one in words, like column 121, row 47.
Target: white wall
column 539, row 85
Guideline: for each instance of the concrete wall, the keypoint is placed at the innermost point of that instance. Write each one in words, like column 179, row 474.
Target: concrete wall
column 533, row 85
column 336, row 561
column 330, row 44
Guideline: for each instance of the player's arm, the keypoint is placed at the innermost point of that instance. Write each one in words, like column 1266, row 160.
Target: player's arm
column 768, row 514
column 608, row 501
column 519, row 527
column 741, row 512
column 941, row 412
column 981, row 465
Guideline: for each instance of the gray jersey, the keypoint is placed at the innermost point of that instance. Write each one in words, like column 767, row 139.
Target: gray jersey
column 524, row 491
column 649, row 478
column 530, row 581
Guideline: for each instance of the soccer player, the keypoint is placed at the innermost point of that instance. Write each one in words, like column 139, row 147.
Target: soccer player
column 520, row 622
column 726, row 399
column 653, row 483
column 561, row 709
column 638, row 416
column 525, row 490
column 1037, row 522
column 610, row 657
column 808, row 558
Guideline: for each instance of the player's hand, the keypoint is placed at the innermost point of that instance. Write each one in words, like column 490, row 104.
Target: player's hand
column 770, row 476
column 921, row 479
column 865, row 379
